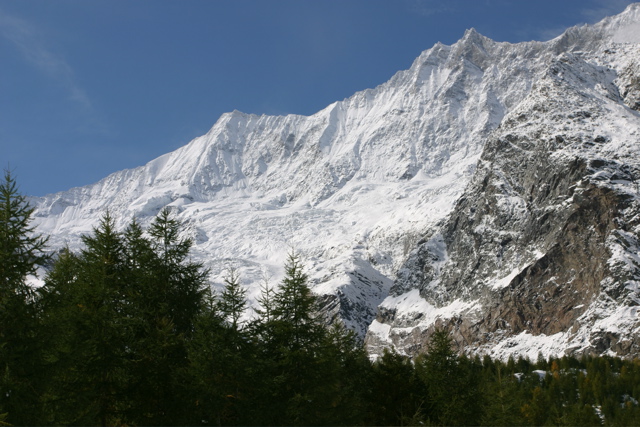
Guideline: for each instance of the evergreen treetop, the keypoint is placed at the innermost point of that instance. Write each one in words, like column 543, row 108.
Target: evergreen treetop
column 21, row 250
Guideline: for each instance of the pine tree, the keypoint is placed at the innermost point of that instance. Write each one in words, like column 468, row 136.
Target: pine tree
column 294, row 308
column 232, row 302
column 265, row 301
column 236, row 352
column 167, row 296
column 502, row 394
column 21, row 253
column 179, row 283
column 396, row 395
column 536, row 410
column 451, row 381
column 58, row 306
column 88, row 312
column 122, row 312
column 206, row 366
column 261, row 327
column 290, row 343
column 338, row 385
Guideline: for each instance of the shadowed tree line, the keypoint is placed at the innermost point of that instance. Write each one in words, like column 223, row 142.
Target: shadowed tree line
column 127, row 332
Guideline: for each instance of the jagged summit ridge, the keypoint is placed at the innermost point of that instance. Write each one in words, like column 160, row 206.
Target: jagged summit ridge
column 540, row 253
column 353, row 187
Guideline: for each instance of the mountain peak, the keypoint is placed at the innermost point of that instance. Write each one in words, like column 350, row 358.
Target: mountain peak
column 472, row 36
column 472, row 33
column 362, row 184
column 621, row 28
column 632, row 10
column 625, row 27
column 535, row 256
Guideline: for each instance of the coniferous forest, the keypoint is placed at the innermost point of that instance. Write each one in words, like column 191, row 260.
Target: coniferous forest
column 127, row 332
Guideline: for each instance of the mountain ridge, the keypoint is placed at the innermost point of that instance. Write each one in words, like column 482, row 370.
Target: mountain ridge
column 353, row 187
column 537, row 276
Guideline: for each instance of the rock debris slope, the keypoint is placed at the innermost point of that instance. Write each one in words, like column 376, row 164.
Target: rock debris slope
column 540, row 253
column 510, row 166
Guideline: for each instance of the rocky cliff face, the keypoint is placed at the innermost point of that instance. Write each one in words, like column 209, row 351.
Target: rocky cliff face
column 510, row 166
column 540, row 253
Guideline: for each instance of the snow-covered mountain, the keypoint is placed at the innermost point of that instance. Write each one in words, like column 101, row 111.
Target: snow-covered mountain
column 541, row 252
column 441, row 174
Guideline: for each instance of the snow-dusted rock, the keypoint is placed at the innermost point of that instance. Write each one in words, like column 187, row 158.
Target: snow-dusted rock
column 540, row 253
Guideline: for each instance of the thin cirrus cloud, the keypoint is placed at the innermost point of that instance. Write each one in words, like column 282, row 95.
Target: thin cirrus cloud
column 604, row 8
column 431, row 7
column 545, row 34
column 29, row 42
column 595, row 12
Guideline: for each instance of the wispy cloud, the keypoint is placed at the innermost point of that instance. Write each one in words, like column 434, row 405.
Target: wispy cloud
column 430, row 7
column 595, row 12
column 603, row 8
column 544, row 34
column 30, row 43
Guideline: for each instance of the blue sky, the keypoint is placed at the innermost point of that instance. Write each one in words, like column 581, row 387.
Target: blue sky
column 90, row 87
